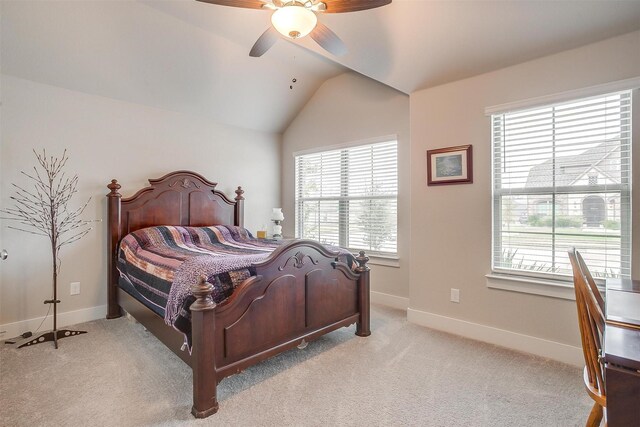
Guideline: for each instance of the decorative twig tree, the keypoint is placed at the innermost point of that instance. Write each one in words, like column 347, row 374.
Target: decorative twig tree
column 43, row 211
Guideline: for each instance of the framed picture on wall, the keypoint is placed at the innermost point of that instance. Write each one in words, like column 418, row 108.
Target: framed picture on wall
column 451, row 165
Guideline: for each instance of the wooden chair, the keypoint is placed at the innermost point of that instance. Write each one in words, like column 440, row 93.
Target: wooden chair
column 592, row 283
column 591, row 320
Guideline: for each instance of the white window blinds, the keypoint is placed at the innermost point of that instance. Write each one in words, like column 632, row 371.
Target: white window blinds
column 349, row 197
column 562, row 178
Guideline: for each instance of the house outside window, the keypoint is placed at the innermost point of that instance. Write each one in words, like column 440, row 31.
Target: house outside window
column 348, row 197
column 562, row 178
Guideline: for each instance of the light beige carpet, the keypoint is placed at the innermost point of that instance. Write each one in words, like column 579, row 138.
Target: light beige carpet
column 120, row 375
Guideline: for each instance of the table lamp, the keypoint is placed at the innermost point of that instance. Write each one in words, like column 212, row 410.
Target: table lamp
column 277, row 217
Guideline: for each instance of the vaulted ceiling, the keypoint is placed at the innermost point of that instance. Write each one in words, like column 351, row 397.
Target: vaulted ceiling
column 192, row 57
column 164, row 54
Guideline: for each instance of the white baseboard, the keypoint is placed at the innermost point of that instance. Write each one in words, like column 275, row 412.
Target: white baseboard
column 11, row 330
column 513, row 340
column 389, row 300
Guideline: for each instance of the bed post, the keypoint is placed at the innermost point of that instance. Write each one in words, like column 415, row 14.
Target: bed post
column 239, row 212
column 113, row 232
column 363, row 327
column 203, row 364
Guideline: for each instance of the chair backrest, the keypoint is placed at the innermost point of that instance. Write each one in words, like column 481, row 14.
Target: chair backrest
column 591, row 321
column 592, row 283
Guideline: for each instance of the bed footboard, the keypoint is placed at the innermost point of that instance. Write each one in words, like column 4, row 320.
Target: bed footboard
column 300, row 289
column 300, row 292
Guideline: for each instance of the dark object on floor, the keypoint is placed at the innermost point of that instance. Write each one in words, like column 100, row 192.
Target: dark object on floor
column 49, row 336
column 23, row 335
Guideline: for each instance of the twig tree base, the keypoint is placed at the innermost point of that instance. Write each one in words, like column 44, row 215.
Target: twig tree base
column 49, row 336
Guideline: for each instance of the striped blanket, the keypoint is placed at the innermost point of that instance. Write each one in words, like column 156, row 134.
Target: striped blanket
column 158, row 266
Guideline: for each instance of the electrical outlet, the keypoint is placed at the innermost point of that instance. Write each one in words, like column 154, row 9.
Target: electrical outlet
column 74, row 288
column 455, row 295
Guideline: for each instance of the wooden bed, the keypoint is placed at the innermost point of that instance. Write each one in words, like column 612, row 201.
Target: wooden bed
column 299, row 293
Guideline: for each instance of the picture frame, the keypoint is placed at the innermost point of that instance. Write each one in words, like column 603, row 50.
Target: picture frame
column 451, row 165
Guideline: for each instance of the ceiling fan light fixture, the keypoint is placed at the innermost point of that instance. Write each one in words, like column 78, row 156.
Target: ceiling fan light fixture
column 294, row 21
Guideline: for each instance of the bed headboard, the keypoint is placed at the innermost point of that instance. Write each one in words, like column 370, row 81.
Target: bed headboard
column 178, row 198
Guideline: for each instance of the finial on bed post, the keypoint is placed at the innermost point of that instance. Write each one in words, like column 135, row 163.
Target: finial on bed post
column 114, row 187
column 113, row 231
column 239, row 193
column 202, row 292
column 362, row 261
column 239, row 213
column 363, row 326
column 203, row 319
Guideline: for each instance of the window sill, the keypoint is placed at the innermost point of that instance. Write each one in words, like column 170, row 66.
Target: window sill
column 531, row 285
column 384, row 261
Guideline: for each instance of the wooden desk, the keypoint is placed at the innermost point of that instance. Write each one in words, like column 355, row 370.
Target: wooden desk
column 621, row 351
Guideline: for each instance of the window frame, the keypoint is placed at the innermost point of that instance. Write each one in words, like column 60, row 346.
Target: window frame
column 390, row 259
column 554, row 284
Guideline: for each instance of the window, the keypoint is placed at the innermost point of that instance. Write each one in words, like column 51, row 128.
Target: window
column 562, row 178
column 349, row 197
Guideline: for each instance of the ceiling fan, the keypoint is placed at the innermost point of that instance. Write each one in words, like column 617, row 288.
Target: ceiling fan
column 297, row 18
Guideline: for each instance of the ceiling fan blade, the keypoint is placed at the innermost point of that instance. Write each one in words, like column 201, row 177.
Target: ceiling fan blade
column 247, row 4
column 328, row 40
column 341, row 6
column 264, row 42
column 316, row 7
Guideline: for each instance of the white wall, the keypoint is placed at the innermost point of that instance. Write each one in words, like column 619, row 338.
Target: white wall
column 348, row 108
column 451, row 241
column 133, row 91
column 108, row 139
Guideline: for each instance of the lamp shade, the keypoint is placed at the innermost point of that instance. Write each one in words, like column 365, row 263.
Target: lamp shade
column 294, row 21
column 277, row 214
